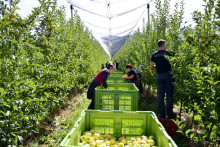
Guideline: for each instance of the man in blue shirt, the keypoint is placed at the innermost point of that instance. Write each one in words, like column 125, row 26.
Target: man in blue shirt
column 164, row 79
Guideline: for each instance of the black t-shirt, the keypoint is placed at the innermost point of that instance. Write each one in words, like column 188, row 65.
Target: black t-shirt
column 132, row 72
column 162, row 64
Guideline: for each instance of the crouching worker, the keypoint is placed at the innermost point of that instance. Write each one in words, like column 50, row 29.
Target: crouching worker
column 100, row 79
column 132, row 77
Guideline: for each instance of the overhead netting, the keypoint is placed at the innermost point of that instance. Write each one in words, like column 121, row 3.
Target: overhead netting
column 111, row 21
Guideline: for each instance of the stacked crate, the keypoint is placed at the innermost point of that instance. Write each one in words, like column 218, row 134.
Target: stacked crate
column 121, row 96
column 110, row 117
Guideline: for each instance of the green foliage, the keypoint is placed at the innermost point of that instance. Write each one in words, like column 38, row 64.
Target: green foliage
column 196, row 69
column 42, row 57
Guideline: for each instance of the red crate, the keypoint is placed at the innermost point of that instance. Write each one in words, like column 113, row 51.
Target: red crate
column 169, row 125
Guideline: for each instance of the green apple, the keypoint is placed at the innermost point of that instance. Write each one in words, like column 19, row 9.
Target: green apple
column 93, row 144
column 85, row 133
column 80, row 144
column 92, row 139
column 130, row 144
column 151, row 137
column 98, row 142
column 151, row 142
column 139, row 142
column 96, row 136
column 92, row 131
column 88, row 139
column 120, row 139
column 110, row 137
column 123, row 141
column 83, row 138
column 112, row 141
column 108, row 143
column 135, row 142
column 143, row 137
column 88, row 135
column 146, row 145
column 133, row 139
column 84, row 142
column 115, row 145
column 121, row 144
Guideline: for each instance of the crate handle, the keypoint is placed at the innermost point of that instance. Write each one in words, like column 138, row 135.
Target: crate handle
column 117, row 111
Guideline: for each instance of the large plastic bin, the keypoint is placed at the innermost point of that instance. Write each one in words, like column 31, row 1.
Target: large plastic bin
column 119, row 123
column 116, row 80
column 121, row 96
column 116, row 75
column 117, row 71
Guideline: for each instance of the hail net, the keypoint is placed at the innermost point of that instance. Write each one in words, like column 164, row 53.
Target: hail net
column 110, row 21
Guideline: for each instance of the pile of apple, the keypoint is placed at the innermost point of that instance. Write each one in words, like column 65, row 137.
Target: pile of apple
column 94, row 139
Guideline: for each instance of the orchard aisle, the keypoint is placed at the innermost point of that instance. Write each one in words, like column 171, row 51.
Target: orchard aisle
column 53, row 130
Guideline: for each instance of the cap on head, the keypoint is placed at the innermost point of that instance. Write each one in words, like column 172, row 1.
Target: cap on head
column 129, row 66
column 161, row 42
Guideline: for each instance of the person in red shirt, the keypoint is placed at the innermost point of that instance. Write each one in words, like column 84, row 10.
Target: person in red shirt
column 100, row 79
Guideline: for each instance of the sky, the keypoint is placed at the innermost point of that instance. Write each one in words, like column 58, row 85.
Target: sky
column 129, row 20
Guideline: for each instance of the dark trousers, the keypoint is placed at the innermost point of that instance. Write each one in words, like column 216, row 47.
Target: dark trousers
column 137, row 84
column 165, row 85
column 91, row 93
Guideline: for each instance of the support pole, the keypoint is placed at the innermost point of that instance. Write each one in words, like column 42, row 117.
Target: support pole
column 148, row 12
column 71, row 9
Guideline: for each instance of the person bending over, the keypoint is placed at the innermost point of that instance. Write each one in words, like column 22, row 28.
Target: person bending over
column 100, row 79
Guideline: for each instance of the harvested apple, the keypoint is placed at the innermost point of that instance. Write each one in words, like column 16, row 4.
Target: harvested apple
column 83, row 138
column 121, row 144
column 151, row 137
column 151, row 142
column 112, row 141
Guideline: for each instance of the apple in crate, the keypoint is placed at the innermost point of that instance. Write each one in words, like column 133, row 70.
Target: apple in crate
column 123, row 141
column 133, row 139
column 112, row 141
column 93, row 144
column 151, row 137
column 107, row 143
column 98, row 142
column 143, row 137
column 88, row 139
column 151, row 142
column 146, row 145
column 121, row 144
column 96, row 136
column 88, row 135
column 83, row 138
column 84, row 142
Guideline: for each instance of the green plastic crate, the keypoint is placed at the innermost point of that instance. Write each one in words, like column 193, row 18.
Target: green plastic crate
column 116, row 80
column 119, row 123
column 118, row 72
column 116, row 75
column 121, row 96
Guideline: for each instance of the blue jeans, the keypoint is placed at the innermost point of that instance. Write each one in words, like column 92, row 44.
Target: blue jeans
column 165, row 85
